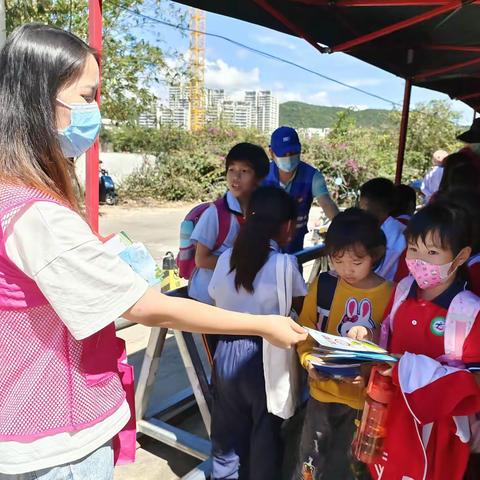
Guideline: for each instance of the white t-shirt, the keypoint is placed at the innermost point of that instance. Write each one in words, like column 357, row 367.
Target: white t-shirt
column 89, row 288
column 206, row 233
column 264, row 299
column 431, row 182
column 396, row 244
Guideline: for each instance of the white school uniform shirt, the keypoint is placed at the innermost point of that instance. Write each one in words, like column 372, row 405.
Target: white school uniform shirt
column 396, row 244
column 264, row 299
column 88, row 288
column 431, row 182
column 206, row 232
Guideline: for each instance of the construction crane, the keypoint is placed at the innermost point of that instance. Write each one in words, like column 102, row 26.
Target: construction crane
column 197, row 69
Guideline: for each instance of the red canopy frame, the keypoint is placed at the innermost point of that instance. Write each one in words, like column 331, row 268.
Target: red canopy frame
column 439, row 7
column 95, row 30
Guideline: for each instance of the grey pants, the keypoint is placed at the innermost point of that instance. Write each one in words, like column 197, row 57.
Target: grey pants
column 325, row 445
column 98, row 465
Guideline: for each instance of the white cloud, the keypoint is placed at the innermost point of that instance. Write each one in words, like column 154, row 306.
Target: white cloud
column 319, row 98
column 278, row 85
column 236, row 95
column 275, row 41
column 365, row 82
column 286, row 96
column 219, row 74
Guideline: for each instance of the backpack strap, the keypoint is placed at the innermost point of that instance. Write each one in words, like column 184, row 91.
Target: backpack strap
column 401, row 293
column 461, row 316
column 284, row 276
column 224, row 221
column 326, row 286
column 327, row 283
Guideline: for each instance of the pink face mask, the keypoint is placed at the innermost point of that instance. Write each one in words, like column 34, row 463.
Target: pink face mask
column 428, row 275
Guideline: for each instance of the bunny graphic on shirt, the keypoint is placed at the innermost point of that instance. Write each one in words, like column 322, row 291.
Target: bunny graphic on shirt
column 356, row 315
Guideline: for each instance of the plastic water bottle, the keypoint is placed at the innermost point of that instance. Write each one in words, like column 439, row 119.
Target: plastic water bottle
column 371, row 434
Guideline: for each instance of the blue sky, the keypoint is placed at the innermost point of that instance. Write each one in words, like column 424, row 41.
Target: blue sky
column 236, row 69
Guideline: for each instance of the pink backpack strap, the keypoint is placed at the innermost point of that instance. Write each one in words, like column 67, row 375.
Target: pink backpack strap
column 461, row 316
column 401, row 292
column 224, row 222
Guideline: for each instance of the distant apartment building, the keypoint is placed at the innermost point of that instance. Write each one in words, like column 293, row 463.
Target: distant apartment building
column 236, row 113
column 264, row 107
column 179, row 105
column 147, row 120
column 309, row 133
column 259, row 109
column 214, row 99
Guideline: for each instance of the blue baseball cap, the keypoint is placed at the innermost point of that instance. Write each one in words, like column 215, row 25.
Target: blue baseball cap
column 285, row 140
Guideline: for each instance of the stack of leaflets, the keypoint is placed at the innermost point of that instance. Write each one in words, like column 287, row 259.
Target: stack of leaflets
column 136, row 255
column 337, row 356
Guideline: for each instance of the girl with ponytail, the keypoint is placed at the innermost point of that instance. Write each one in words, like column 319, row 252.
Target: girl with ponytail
column 245, row 437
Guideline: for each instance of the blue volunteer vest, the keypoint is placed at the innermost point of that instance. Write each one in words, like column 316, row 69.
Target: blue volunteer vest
column 301, row 191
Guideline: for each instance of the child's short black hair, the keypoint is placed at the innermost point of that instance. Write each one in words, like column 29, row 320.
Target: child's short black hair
column 448, row 222
column 405, row 200
column 357, row 230
column 379, row 192
column 469, row 200
column 252, row 154
column 460, row 171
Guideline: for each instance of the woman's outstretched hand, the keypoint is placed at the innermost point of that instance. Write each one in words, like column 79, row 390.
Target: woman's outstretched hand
column 282, row 332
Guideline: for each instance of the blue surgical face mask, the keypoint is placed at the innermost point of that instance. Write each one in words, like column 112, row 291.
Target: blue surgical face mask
column 83, row 130
column 288, row 164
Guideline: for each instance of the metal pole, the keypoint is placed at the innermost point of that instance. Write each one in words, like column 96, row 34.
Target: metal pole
column 92, row 166
column 3, row 24
column 403, row 130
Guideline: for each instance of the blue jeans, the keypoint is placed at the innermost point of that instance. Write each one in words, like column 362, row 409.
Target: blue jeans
column 96, row 466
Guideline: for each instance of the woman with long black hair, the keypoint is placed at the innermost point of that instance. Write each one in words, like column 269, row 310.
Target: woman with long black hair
column 61, row 398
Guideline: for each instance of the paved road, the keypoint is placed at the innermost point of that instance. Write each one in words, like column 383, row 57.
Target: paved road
column 157, row 228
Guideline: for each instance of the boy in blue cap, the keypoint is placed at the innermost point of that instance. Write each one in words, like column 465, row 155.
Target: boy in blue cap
column 299, row 179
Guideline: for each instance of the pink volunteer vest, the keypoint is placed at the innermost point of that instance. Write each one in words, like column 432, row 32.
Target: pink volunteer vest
column 49, row 382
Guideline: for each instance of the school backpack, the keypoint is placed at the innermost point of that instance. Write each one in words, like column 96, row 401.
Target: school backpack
column 461, row 316
column 186, row 254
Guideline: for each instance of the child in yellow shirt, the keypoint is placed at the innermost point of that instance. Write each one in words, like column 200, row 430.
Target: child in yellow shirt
column 350, row 302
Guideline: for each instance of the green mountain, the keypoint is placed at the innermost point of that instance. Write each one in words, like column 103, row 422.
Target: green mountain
column 304, row 115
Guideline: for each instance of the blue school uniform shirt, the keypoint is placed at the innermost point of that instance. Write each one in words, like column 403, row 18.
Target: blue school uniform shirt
column 206, row 233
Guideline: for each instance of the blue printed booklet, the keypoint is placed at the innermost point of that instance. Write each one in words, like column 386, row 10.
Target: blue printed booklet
column 342, row 356
column 136, row 255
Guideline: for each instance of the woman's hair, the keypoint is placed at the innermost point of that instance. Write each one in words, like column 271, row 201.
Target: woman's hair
column 357, row 230
column 35, row 63
column 253, row 155
column 447, row 222
column 460, row 171
column 269, row 209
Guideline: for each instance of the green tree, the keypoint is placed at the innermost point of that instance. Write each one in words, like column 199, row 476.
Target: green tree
column 432, row 126
column 133, row 62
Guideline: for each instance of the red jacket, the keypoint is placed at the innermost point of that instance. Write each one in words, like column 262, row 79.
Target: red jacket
column 425, row 439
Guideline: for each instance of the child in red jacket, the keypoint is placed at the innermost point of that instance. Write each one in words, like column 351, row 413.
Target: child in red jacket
column 429, row 433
